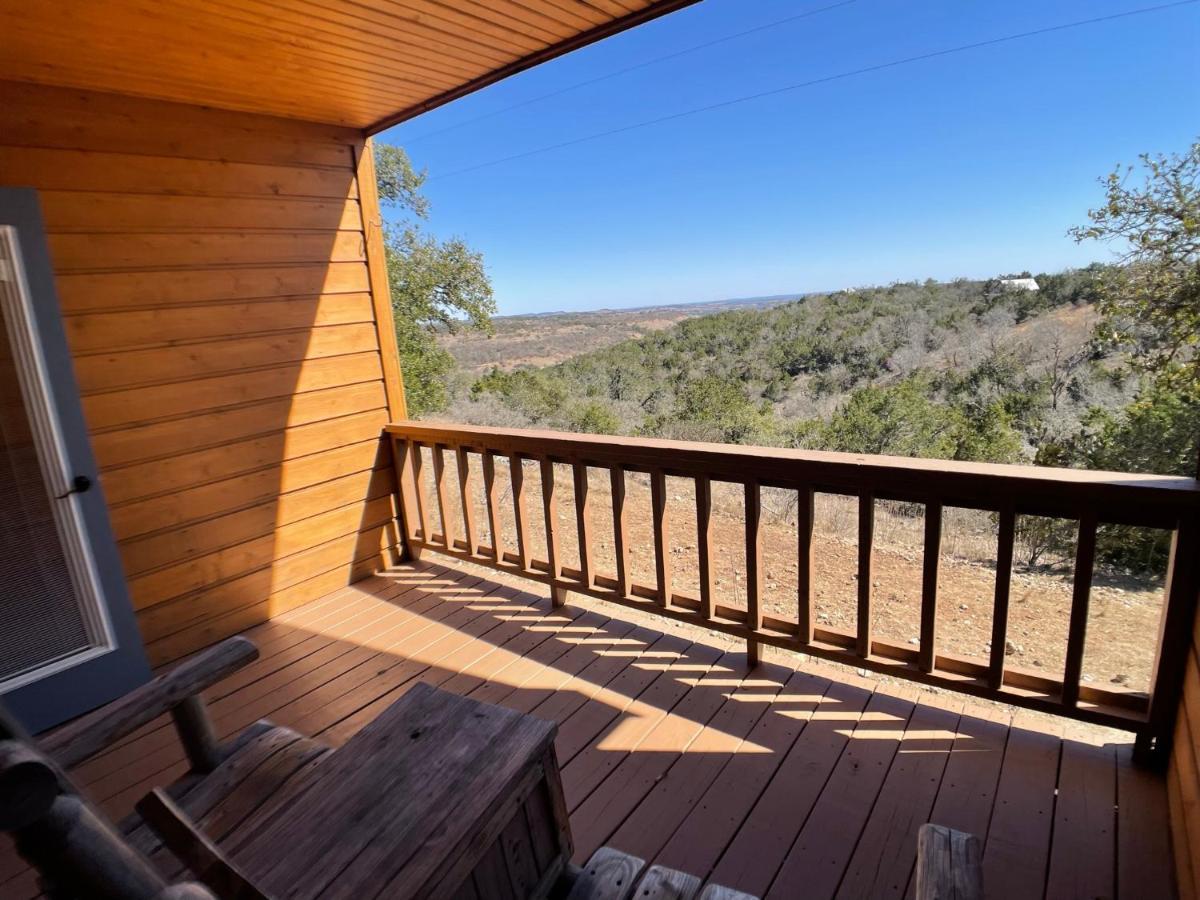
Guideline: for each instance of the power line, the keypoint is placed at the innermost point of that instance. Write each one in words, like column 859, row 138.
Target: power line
column 962, row 48
column 627, row 69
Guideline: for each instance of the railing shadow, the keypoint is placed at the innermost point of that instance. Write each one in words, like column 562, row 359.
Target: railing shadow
column 670, row 747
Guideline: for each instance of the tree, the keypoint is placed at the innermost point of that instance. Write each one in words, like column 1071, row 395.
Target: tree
column 1151, row 309
column 1150, row 303
column 436, row 285
column 722, row 410
column 902, row 420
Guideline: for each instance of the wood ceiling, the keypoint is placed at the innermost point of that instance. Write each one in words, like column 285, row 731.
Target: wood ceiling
column 368, row 64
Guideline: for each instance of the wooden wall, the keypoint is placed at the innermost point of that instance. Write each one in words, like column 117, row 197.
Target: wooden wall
column 217, row 291
column 1183, row 779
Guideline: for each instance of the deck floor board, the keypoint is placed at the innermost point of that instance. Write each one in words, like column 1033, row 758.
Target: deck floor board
column 779, row 781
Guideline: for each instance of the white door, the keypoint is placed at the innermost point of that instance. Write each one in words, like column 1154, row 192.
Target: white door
column 67, row 641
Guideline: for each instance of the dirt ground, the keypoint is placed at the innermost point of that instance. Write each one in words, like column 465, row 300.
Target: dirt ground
column 548, row 338
column 1122, row 626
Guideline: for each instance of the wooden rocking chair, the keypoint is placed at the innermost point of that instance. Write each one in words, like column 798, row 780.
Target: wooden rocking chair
column 78, row 853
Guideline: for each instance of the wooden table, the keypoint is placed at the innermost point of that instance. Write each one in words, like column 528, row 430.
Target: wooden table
column 439, row 796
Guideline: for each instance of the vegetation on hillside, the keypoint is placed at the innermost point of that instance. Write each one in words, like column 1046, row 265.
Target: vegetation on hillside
column 965, row 370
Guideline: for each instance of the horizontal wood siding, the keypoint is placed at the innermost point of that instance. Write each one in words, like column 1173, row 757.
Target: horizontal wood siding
column 1183, row 778
column 214, row 276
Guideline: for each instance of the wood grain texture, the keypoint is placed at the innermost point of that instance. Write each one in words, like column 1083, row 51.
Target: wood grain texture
column 661, row 516
column 731, row 794
column 608, row 874
column 376, row 254
column 929, row 584
column 948, row 864
column 805, row 520
column 1151, row 500
column 704, row 545
column 620, row 529
column 1007, row 490
column 219, row 298
column 866, row 539
column 1183, row 781
column 364, row 66
column 87, row 735
column 754, row 566
column 456, row 805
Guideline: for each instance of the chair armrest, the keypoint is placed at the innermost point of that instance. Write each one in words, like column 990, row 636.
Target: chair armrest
column 949, row 864
column 89, row 734
column 194, row 848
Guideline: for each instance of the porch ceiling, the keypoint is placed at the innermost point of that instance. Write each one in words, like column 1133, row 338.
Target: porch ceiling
column 367, row 64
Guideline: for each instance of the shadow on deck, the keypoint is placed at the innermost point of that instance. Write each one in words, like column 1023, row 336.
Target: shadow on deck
column 780, row 781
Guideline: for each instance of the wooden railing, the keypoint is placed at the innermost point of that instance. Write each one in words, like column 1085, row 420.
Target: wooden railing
column 1088, row 498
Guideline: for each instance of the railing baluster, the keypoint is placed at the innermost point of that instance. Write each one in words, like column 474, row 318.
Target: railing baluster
column 466, row 490
column 550, row 511
column 704, row 539
column 662, row 535
column 753, row 567
column 1081, row 497
column 929, row 585
column 1085, row 558
column 583, row 522
column 439, row 480
column 520, row 509
column 414, row 455
column 492, row 490
column 805, row 516
column 620, row 533
column 1004, row 559
column 866, row 537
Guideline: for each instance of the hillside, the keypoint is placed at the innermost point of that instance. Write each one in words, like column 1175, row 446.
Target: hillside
column 965, row 369
column 544, row 339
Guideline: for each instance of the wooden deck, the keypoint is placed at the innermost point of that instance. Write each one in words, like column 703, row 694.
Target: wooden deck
column 782, row 782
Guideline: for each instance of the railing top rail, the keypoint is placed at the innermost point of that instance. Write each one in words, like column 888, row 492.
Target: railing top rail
column 1137, row 499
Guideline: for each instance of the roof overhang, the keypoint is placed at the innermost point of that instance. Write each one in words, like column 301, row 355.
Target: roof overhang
column 368, row 64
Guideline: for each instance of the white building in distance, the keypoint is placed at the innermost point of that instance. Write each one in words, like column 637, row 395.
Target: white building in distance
column 1020, row 284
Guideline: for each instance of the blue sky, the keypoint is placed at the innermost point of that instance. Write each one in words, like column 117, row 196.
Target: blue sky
column 964, row 165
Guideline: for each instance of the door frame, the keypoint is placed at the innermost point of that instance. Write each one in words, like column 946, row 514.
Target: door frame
column 93, row 677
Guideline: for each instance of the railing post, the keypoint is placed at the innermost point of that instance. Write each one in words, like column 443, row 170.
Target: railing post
column 1176, row 633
